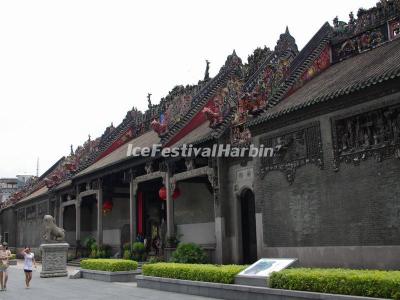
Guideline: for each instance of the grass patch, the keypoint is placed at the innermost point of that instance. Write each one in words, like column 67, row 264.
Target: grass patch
column 111, row 265
column 367, row 283
column 196, row 272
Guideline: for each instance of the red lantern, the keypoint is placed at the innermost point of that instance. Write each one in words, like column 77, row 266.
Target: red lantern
column 162, row 193
column 107, row 207
column 176, row 193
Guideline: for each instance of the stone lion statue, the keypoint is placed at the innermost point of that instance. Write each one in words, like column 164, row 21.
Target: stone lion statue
column 51, row 231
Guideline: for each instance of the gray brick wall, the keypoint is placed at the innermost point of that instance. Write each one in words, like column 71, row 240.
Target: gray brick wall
column 357, row 205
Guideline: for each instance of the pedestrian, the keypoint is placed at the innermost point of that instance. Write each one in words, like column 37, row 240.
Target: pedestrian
column 29, row 261
column 4, row 256
column 8, row 254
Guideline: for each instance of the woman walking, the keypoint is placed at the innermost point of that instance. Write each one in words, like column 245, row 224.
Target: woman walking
column 29, row 260
column 4, row 256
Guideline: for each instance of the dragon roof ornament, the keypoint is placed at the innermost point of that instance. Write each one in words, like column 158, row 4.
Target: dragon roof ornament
column 367, row 19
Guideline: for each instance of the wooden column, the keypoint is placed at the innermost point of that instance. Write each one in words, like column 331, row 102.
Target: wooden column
column 78, row 219
column 170, row 206
column 61, row 217
column 100, row 214
column 132, row 211
column 61, row 214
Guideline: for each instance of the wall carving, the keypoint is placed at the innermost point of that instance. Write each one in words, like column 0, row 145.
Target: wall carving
column 360, row 43
column 292, row 150
column 366, row 19
column 371, row 134
column 21, row 214
column 394, row 28
column 42, row 209
column 31, row 212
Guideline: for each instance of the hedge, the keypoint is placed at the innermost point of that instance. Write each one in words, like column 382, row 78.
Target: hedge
column 112, row 265
column 196, row 272
column 367, row 283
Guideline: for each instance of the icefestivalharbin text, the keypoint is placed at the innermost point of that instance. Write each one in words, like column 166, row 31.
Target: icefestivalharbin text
column 217, row 150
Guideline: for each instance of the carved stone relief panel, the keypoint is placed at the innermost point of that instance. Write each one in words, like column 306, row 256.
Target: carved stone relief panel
column 21, row 214
column 42, row 209
column 293, row 149
column 244, row 178
column 31, row 212
column 375, row 133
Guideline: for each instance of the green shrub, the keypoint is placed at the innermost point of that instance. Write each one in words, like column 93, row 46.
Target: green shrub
column 138, row 248
column 13, row 256
column 138, row 251
column 155, row 259
column 189, row 254
column 368, row 283
column 88, row 242
column 100, row 252
column 196, row 272
column 127, row 246
column 127, row 254
column 112, row 265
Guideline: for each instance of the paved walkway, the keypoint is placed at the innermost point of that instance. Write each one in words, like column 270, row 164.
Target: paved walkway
column 82, row 289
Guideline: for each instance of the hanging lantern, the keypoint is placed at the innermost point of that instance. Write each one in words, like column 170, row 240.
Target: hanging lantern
column 162, row 193
column 107, row 207
column 176, row 193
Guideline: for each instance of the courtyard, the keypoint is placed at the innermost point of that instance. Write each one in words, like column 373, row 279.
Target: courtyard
column 65, row 288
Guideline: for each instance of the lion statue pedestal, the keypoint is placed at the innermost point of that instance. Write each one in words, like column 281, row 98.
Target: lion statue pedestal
column 54, row 251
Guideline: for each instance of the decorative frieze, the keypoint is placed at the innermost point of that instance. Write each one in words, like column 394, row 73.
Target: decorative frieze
column 21, row 214
column 360, row 43
column 42, row 209
column 366, row 19
column 31, row 212
column 370, row 134
column 292, row 150
column 221, row 104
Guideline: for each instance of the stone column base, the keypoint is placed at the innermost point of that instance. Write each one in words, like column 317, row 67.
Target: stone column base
column 54, row 260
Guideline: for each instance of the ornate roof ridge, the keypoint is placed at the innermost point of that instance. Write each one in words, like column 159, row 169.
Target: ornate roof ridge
column 205, row 94
column 367, row 19
column 303, row 61
column 31, row 186
column 390, row 74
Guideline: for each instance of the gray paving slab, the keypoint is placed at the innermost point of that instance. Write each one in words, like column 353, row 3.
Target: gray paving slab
column 82, row 289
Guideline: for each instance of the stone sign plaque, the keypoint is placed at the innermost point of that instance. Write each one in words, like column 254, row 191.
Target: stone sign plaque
column 258, row 273
column 265, row 266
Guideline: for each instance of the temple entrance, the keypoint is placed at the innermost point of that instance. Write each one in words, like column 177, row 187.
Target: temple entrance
column 69, row 224
column 249, row 240
column 151, row 212
column 88, row 217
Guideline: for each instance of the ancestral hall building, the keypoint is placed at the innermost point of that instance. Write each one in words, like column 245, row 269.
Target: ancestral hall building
column 330, row 196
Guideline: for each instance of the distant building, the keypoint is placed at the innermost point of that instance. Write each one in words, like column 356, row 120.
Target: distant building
column 8, row 186
column 23, row 179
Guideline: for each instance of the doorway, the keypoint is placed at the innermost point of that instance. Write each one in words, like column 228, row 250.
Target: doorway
column 249, row 239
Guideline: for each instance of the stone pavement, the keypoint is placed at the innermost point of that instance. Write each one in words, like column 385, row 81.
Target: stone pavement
column 82, row 289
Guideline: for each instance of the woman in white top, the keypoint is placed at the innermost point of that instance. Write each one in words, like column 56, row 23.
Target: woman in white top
column 4, row 256
column 29, row 261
